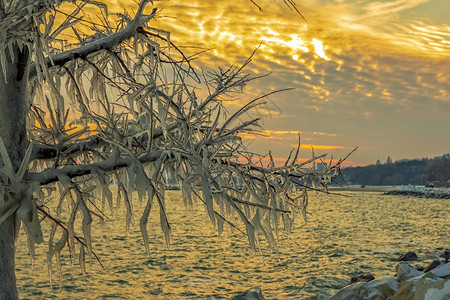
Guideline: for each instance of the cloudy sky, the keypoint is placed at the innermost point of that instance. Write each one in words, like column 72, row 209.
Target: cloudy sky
column 372, row 74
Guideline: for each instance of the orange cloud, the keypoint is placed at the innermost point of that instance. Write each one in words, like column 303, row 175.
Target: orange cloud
column 386, row 58
column 324, row 133
column 268, row 134
column 319, row 147
column 275, row 134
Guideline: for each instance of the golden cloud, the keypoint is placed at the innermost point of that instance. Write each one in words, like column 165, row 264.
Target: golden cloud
column 319, row 147
column 354, row 62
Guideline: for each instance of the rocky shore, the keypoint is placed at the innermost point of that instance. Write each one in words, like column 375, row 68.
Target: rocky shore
column 420, row 191
column 409, row 283
column 401, row 190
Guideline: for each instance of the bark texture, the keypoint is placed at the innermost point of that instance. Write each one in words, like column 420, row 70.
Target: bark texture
column 8, row 232
column 13, row 111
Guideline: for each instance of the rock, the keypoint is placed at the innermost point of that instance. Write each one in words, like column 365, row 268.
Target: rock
column 373, row 290
column 405, row 292
column 422, row 192
column 435, row 263
column 254, row 293
column 441, row 271
column 362, row 278
column 407, row 256
column 405, row 272
column 446, row 255
column 414, row 285
column 431, row 286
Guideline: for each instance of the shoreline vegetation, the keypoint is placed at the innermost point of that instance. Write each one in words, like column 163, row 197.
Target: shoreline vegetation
column 433, row 172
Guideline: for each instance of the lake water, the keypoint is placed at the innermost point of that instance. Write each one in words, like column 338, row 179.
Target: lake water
column 346, row 236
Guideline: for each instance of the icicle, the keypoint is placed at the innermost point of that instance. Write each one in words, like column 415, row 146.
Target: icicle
column 106, row 192
column 144, row 219
column 82, row 260
column 31, row 246
column 163, row 220
column 28, row 214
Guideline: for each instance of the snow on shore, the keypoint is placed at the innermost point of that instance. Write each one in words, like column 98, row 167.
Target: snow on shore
column 420, row 191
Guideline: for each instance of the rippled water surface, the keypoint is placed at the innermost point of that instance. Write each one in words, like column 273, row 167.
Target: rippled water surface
column 346, row 236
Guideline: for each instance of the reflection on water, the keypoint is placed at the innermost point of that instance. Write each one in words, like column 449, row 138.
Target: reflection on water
column 345, row 236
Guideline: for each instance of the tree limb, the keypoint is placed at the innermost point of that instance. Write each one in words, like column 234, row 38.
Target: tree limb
column 105, row 43
column 111, row 164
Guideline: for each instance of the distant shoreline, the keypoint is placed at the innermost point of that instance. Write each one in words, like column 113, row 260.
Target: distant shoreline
column 359, row 188
column 407, row 190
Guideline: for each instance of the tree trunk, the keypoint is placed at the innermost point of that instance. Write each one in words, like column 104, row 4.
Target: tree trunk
column 13, row 112
column 8, row 233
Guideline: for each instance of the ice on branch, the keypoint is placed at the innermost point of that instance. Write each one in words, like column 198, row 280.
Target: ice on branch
column 122, row 108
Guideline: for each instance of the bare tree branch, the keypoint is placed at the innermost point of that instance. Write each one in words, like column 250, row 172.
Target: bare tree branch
column 106, row 43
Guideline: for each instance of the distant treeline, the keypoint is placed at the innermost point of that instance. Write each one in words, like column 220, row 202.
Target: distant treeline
column 424, row 171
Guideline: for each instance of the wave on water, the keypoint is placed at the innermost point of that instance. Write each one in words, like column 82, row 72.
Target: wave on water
column 346, row 236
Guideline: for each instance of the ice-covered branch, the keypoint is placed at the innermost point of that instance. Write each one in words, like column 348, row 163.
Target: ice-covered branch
column 106, row 43
column 109, row 165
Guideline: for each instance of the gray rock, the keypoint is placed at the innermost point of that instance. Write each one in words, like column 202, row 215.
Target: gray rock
column 435, row 263
column 441, row 271
column 405, row 272
column 407, row 256
column 406, row 291
column 446, row 255
column 379, row 289
column 432, row 286
column 362, row 278
column 254, row 293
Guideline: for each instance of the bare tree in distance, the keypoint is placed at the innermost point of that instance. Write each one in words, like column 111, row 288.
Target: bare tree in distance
column 121, row 105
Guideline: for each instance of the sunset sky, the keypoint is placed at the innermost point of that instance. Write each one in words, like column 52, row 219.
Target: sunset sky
column 373, row 74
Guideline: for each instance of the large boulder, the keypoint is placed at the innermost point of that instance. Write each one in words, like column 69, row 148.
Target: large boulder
column 379, row 289
column 254, row 293
column 406, row 291
column 405, row 272
column 442, row 271
column 432, row 285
